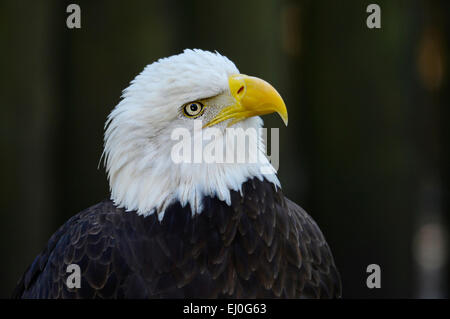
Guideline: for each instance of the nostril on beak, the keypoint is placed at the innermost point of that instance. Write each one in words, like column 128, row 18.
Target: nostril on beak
column 241, row 89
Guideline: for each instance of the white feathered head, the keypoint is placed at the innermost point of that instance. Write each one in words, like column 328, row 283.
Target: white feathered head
column 177, row 93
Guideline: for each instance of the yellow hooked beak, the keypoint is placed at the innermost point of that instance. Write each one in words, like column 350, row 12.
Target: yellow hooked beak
column 253, row 97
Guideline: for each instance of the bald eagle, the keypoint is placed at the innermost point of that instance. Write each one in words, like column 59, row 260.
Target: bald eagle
column 188, row 229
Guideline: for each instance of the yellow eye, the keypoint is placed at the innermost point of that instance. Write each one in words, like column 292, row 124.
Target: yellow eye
column 193, row 109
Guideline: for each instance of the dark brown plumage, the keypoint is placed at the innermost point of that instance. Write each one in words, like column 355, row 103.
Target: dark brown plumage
column 263, row 245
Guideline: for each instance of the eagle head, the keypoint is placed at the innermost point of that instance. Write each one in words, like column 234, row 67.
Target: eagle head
column 200, row 96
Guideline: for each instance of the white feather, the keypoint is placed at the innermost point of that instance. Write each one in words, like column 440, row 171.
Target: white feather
column 138, row 144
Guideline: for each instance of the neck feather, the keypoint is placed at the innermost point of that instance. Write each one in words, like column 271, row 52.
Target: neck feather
column 146, row 180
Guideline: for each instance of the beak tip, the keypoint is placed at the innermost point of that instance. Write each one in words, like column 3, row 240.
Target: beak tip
column 284, row 117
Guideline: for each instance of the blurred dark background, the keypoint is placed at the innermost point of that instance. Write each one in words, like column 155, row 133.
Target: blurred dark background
column 365, row 152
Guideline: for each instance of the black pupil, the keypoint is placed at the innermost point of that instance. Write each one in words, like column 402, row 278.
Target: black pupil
column 194, row 107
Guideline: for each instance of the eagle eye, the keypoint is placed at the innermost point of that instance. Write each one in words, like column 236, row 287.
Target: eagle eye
column 193, row 109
